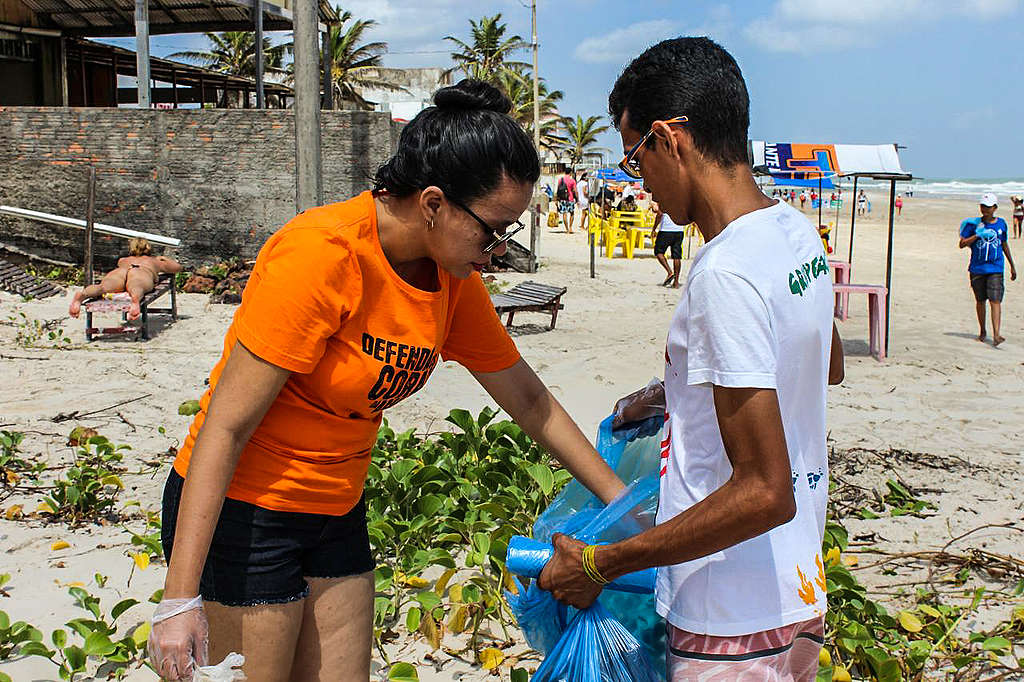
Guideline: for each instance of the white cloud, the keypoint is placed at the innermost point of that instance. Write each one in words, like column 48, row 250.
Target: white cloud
column 623, row 43
column 813, row 26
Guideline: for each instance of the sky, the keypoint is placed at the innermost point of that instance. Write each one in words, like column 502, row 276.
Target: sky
column 944, row 78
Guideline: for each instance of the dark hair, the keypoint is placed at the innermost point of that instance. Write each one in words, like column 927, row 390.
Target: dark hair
column 692, row 77
column 463, row 144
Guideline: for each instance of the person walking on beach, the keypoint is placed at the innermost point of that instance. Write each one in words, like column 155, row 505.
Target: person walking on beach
column 751, row 348
column 136, row 273
column 1018, row 215
column 986, row 236
column 346, row 313
column 899, row 204
column 565, row 195
column 584, row 201
column 668, row 237
column 862, row 204
column 803, row 199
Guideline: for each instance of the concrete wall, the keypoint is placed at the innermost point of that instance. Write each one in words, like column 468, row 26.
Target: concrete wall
column 220, row 180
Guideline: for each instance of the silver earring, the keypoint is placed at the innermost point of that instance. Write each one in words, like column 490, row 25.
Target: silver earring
column 430, row 224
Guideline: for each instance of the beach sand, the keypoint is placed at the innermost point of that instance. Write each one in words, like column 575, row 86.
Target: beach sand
column 941, row 394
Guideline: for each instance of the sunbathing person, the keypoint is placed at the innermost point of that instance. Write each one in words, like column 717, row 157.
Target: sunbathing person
column 136, row 274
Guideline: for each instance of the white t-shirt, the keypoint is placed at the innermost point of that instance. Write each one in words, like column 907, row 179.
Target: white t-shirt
column 668, row 226
column 757, row 312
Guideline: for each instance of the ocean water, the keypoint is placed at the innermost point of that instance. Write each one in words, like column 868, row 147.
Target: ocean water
column 1003, row 188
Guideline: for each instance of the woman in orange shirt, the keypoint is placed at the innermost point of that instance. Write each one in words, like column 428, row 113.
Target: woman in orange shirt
column 347, row 310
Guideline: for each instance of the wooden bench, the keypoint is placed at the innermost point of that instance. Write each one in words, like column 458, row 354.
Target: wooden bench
column 529, row 297
column 121, row 304
column 877, row 295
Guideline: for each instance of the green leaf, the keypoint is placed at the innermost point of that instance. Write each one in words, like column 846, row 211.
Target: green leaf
column 98, row 644
column 35, row 649
column 427, row 599
column 482, row 542
column 403, row 672
column 59, row 638
column 996, row 644
column 519, row 675
column 121, row 607
column 542, row 474
column 189, row 408
column 5, row 621
column 76, row 657
column 4, row 677
column 412, row 619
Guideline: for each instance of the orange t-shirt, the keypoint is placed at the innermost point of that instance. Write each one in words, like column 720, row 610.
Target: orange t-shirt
column 324, row 302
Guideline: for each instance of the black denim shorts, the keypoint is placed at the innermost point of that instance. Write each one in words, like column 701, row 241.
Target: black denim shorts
column 669, row 240
column 262, row 556
column 987, row 287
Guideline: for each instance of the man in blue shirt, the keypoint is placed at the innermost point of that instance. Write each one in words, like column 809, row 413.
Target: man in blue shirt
column 987, row 238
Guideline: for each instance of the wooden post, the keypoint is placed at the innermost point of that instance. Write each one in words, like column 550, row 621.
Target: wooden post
column 257, row 10
column 142, row 74
column 853, row 222
column 89, row 215
column 308, row 160
column 202, row 92
column 535, row 238
column 888, row 268
column 113, row 78
column 174, row 86
column 328, row 66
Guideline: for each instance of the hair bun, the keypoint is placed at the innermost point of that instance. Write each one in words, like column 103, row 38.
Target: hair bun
column 471, row 94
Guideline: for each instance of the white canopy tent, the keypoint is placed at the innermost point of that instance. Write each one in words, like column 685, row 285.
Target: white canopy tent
column 806, row 164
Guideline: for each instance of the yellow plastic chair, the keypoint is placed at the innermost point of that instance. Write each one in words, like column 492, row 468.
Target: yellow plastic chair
column 648, row 219
column 640, row 235
column 615, row 236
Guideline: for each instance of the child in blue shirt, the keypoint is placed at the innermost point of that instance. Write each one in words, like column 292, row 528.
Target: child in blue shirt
column 986, row 236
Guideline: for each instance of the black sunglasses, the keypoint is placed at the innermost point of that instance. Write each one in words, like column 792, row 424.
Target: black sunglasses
column 498, row 239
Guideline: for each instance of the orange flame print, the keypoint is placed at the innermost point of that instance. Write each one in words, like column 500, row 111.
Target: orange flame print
column 820, row 580
column 806, row 590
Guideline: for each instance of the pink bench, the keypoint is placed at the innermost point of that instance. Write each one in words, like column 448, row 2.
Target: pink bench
column 877, row 295
column 842, row 270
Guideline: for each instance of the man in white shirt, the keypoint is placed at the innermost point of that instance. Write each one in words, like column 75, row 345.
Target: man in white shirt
column 668, row 236
column 750, row 351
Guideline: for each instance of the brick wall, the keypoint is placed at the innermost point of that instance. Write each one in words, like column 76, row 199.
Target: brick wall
column 220, row 180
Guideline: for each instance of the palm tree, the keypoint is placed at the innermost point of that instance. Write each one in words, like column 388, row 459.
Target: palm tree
column 581, row 135
column 354, row 63
column 487, row 54
column 518, row 87
column 234, row 52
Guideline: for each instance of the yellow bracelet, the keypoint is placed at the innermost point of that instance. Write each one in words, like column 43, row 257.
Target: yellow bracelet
column 590, row 565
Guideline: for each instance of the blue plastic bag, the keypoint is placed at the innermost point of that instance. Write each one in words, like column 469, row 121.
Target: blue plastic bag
column 596, row 648
column 622, row 631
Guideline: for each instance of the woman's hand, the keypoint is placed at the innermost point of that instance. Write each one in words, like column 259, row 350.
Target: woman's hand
column 179, row 639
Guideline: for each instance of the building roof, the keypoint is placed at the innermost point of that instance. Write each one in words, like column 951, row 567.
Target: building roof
column 166, row 70
column 117, row 17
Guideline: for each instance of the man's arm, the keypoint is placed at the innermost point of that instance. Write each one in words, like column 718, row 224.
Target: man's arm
column 967, row 241
column 1013, row 268
column 836, row 360
column 756, row 498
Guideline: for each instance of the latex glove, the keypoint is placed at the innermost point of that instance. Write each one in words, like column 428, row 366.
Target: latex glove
column 649, row 401
column 179, row 638
column 227, row 670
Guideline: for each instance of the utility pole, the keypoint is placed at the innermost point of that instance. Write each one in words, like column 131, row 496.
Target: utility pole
column 308, row 179
column 536, row 81
column 535, row 223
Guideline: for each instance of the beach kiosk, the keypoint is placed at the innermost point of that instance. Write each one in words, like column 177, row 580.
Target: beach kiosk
column 810, row 165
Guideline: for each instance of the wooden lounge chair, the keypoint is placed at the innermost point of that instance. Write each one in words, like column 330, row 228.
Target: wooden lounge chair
column 529, row 297
column 120, row 303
